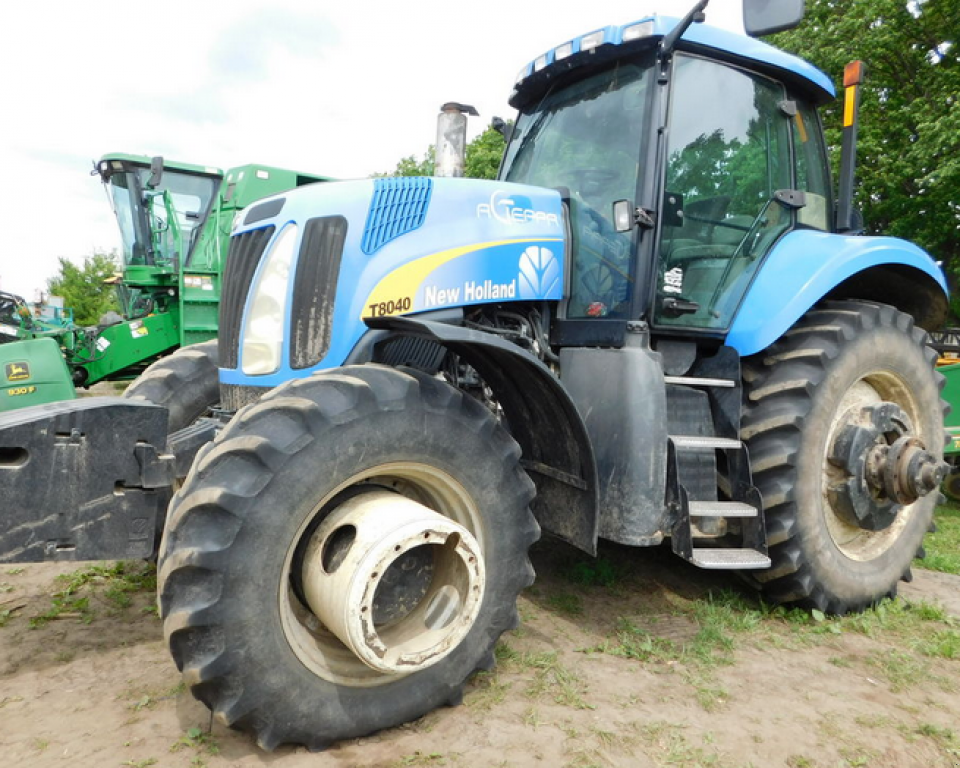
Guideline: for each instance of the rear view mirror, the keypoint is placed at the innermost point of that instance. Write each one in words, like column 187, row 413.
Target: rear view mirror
column 764, row 17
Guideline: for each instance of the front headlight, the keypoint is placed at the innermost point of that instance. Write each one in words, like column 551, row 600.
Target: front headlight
column 263, row 330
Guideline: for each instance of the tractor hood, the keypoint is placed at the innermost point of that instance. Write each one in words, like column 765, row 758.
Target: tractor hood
column 374, row 248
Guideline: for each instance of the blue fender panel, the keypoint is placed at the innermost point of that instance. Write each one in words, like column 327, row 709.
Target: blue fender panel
column 803, row 268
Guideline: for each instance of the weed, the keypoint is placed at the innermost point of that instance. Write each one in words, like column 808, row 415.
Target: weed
column 421, row 758
column 566, row 603
column 671, row 745
column 551, row 677
column 6, row 586
column 120, row 580
column 15, row 571
column 902, row 670
column 198, row 740
column 799, row 761
column 942, row 644
column 488, row 691
column 5, row 616
column 63, row 606
column 598, row 572
column 145, row 763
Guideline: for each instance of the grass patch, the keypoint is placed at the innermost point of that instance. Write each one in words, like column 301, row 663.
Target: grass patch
column 553, row 679
column 566, row 603
column 943, row 547
column 670, row 746
column 201, row 742
column 593, row 572
column 114, row 584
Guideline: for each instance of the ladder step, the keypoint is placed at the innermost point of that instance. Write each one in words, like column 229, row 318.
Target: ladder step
column 729, row 559
column 690, row 442
column 693, row 381
column 721, row 509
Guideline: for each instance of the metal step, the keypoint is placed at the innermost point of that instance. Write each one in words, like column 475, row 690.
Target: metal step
column 729, row 559
column 690, row 442
column 693, row 381
column 721, row 509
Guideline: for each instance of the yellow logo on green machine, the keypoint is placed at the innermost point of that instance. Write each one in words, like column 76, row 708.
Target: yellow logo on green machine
column 17, row 371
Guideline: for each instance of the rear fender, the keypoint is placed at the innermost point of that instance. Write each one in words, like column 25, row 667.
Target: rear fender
column 807, row 266
column 543, row 419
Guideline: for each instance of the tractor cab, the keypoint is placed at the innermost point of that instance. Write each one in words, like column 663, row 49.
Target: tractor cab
column 679, row 169
column 161, row 208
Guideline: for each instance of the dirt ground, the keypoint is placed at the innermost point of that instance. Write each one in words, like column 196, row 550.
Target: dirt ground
column 625, row 662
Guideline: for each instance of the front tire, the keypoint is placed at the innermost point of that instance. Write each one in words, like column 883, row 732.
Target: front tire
column 186, row 383
column 251, row 528
column 833, row 371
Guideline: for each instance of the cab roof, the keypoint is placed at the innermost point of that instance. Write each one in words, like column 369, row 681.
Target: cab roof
column 537, row 77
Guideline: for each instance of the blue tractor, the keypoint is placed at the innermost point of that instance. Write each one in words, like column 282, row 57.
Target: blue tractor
column 658, row 323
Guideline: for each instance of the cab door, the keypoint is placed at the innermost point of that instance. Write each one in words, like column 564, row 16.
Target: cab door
column 728, row 154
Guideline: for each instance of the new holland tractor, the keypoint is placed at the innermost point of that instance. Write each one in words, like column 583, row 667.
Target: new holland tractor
column 175, row 221
column 659, row 322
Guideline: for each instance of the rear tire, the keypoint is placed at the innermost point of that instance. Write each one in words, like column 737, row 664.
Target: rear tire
column 799, row 394
column 232, row 579
column 186, row 383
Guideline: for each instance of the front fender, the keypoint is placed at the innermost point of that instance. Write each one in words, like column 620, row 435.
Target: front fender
column 807, row 265
column 543, row 419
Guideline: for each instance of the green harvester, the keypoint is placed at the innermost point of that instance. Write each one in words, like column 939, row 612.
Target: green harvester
column 175, row 222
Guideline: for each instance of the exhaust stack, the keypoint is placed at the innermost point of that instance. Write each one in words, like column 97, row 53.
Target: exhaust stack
column 452, row 138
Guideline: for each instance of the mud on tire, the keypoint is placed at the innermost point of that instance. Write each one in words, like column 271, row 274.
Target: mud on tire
column 230, row 583
column 839, row 356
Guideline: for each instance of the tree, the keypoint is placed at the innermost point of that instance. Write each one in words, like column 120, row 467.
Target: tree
column 83, row 288
column 482, row 158
column 484, row 154
column 909, row 151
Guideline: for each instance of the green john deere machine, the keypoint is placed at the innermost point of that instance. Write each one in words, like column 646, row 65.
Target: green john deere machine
column 175, row 221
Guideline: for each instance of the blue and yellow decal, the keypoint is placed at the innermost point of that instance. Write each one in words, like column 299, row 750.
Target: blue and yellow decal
column 496, row 271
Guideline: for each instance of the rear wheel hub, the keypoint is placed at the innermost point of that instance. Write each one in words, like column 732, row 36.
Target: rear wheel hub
column 885, row 466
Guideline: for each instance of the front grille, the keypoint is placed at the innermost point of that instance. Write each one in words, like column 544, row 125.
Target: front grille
column 315, row 288
column 399, row 206
column 243, row 257
column 234, row 396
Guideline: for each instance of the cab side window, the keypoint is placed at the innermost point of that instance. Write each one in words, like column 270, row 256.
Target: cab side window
column 813, row 170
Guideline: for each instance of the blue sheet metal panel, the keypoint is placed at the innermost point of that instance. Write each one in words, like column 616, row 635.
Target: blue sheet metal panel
column 803, row 267
column 479, row 242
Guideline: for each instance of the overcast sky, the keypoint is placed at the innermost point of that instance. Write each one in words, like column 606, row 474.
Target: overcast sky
column 339, row 88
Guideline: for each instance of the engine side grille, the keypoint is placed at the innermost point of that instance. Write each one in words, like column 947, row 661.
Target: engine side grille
column 399, row 206
column 422, row 354
column 243, row 257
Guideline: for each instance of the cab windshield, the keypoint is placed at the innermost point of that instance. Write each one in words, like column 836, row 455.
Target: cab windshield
column 584, row 139
column 159, row 226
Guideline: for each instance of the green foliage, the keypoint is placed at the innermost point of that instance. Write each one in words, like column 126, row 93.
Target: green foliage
column 114, row 583
column 83, row 288
column 410, row 166
column 909, row 151
column 482, row 159
column 943, row 547
column 483, row 155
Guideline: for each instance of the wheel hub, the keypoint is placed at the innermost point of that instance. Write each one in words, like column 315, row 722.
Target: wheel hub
column 886, row 467
column 398, row 584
